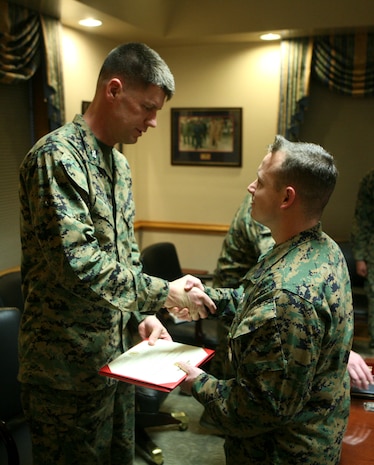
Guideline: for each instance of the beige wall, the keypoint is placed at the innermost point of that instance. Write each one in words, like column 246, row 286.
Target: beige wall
column 233, row 75
column 83, row 55
column 344, row 126
column 244, row 76
column 224, row 75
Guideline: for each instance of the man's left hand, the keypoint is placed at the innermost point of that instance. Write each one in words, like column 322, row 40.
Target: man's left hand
column 192, row 374
column 152, row 328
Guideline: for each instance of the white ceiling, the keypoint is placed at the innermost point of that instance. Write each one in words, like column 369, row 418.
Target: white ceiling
column 176, row 22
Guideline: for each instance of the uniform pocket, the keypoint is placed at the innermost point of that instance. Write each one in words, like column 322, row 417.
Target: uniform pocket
column 256, row 341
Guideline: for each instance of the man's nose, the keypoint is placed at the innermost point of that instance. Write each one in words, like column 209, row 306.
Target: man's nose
column 252, row 187
column 152, row 120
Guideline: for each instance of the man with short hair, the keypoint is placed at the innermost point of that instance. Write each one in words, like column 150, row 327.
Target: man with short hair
column 83, row 284
column 288, row 401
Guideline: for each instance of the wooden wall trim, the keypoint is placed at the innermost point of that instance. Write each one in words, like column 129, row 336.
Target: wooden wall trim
column 9, row 270
column 197, row 228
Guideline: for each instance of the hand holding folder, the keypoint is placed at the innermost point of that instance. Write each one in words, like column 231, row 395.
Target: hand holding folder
column 156, row 366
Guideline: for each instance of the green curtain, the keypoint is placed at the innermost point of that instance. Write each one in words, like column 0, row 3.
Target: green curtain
column 20, row 43
column 345, row 63
column 54, row 89
column 28, row 41
column 296, row 57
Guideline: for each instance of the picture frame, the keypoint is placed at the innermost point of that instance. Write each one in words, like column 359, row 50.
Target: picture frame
column 85, row 104
column 206, row 136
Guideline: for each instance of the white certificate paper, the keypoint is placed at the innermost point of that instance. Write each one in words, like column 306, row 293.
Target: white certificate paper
column 155, row 366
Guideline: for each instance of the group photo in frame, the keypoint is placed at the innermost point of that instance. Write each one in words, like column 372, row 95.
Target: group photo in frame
column 206, row 136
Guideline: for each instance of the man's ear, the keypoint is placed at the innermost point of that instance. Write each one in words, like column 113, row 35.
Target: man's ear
column 114, row 86
column 289, row 197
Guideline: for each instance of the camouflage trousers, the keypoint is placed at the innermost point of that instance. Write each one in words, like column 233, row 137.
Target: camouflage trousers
column 71, row 428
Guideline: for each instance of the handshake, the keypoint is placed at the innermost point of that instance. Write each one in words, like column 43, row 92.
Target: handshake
column 187, row 299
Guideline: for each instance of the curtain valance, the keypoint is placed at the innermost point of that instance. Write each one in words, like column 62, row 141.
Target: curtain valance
column 29, row 40
column 344, row 63
column 20, row 39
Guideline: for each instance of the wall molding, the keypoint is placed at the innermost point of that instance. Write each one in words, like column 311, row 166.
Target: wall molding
column 197, row 228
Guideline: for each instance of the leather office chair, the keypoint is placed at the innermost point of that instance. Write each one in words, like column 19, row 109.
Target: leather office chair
column 148, row 403
column 15, row 443
column 161, row 260
column 10, row 288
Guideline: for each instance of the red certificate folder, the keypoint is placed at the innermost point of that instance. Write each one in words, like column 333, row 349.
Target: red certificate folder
column 155, row 366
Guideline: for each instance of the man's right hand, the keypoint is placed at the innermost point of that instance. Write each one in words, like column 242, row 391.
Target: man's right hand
column 195, row 300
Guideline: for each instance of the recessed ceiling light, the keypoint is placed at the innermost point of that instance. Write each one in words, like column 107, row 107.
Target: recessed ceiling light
column 90, row 22
column 270, row 36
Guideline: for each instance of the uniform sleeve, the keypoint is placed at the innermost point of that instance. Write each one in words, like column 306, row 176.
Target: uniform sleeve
column 70, row 223
column 226, row 300
column 275, row 361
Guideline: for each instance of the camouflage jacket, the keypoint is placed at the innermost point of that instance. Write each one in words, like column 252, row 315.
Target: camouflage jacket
column 363, row 221
column 290, row 341
column 244, row 242
column 82, row 278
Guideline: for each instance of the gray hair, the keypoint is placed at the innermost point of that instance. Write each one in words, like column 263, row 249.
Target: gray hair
column 308, row 168
column 139, row 65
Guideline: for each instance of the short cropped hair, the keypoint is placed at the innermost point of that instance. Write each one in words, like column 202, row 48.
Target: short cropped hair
column 138, row 64
column 309, row 169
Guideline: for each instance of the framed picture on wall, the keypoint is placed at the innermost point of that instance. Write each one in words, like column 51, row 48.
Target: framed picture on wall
column 85, row 105
column 206, row 136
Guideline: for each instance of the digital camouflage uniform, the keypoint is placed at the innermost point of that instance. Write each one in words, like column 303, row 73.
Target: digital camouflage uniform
column 288, row 403
column 82, row 281
column 244, row 242
column 363, row 239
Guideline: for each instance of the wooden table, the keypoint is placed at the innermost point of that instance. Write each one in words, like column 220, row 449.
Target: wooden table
column 358, row 442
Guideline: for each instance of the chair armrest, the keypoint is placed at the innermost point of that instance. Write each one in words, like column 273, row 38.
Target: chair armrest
column 10, row 445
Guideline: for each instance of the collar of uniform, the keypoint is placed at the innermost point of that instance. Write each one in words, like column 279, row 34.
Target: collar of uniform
column 93, row 151
column 279, row 251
